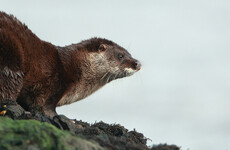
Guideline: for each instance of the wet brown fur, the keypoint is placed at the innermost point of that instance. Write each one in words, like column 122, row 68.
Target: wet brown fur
column 36, row 73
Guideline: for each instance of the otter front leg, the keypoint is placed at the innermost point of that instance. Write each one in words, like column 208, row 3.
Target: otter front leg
column 11, row 83
column 43, row 104
column 11, row 62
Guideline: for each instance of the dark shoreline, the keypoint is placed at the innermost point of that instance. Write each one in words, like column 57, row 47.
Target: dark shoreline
column 108, row 136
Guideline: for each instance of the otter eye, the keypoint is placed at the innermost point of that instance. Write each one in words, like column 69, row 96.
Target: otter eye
column 120, row 56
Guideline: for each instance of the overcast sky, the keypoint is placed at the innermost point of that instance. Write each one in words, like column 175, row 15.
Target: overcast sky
column 181, row 95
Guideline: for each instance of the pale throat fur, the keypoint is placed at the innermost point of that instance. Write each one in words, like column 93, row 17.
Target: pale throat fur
column 94, row 70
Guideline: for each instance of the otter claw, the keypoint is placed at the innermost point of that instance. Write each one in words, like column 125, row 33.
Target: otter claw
column 3, row 112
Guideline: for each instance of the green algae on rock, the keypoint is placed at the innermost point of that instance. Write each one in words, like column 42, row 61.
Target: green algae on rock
column 35, row 135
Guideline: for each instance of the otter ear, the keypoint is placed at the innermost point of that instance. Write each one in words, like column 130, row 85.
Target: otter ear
column 102, row 47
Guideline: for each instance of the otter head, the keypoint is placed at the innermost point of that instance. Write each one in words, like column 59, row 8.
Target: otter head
column 113, row 61
column 99, row 61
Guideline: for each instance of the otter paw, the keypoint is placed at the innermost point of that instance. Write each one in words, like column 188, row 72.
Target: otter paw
column 3, row 111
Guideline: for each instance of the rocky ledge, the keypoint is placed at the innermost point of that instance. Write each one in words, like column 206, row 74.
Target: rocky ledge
column 34, row 131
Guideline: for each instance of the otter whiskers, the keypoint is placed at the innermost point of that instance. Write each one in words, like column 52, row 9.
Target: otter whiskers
column 104, row 75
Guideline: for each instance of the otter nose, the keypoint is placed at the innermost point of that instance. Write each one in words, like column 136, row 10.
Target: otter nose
column 137, row 65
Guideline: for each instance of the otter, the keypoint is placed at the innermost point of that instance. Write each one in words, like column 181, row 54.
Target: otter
column 34, row 72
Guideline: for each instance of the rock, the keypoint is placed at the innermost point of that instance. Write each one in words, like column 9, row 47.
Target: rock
column 34, row 135
column 165, row 147
column 37, row 131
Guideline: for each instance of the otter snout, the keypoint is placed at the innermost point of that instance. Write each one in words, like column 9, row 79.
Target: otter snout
column 136, row 65
column 133, row 67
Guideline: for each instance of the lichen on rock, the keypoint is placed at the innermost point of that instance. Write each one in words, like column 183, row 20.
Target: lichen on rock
column 34, row 135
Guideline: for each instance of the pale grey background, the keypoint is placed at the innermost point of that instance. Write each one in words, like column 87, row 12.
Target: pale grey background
column 181, row 96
